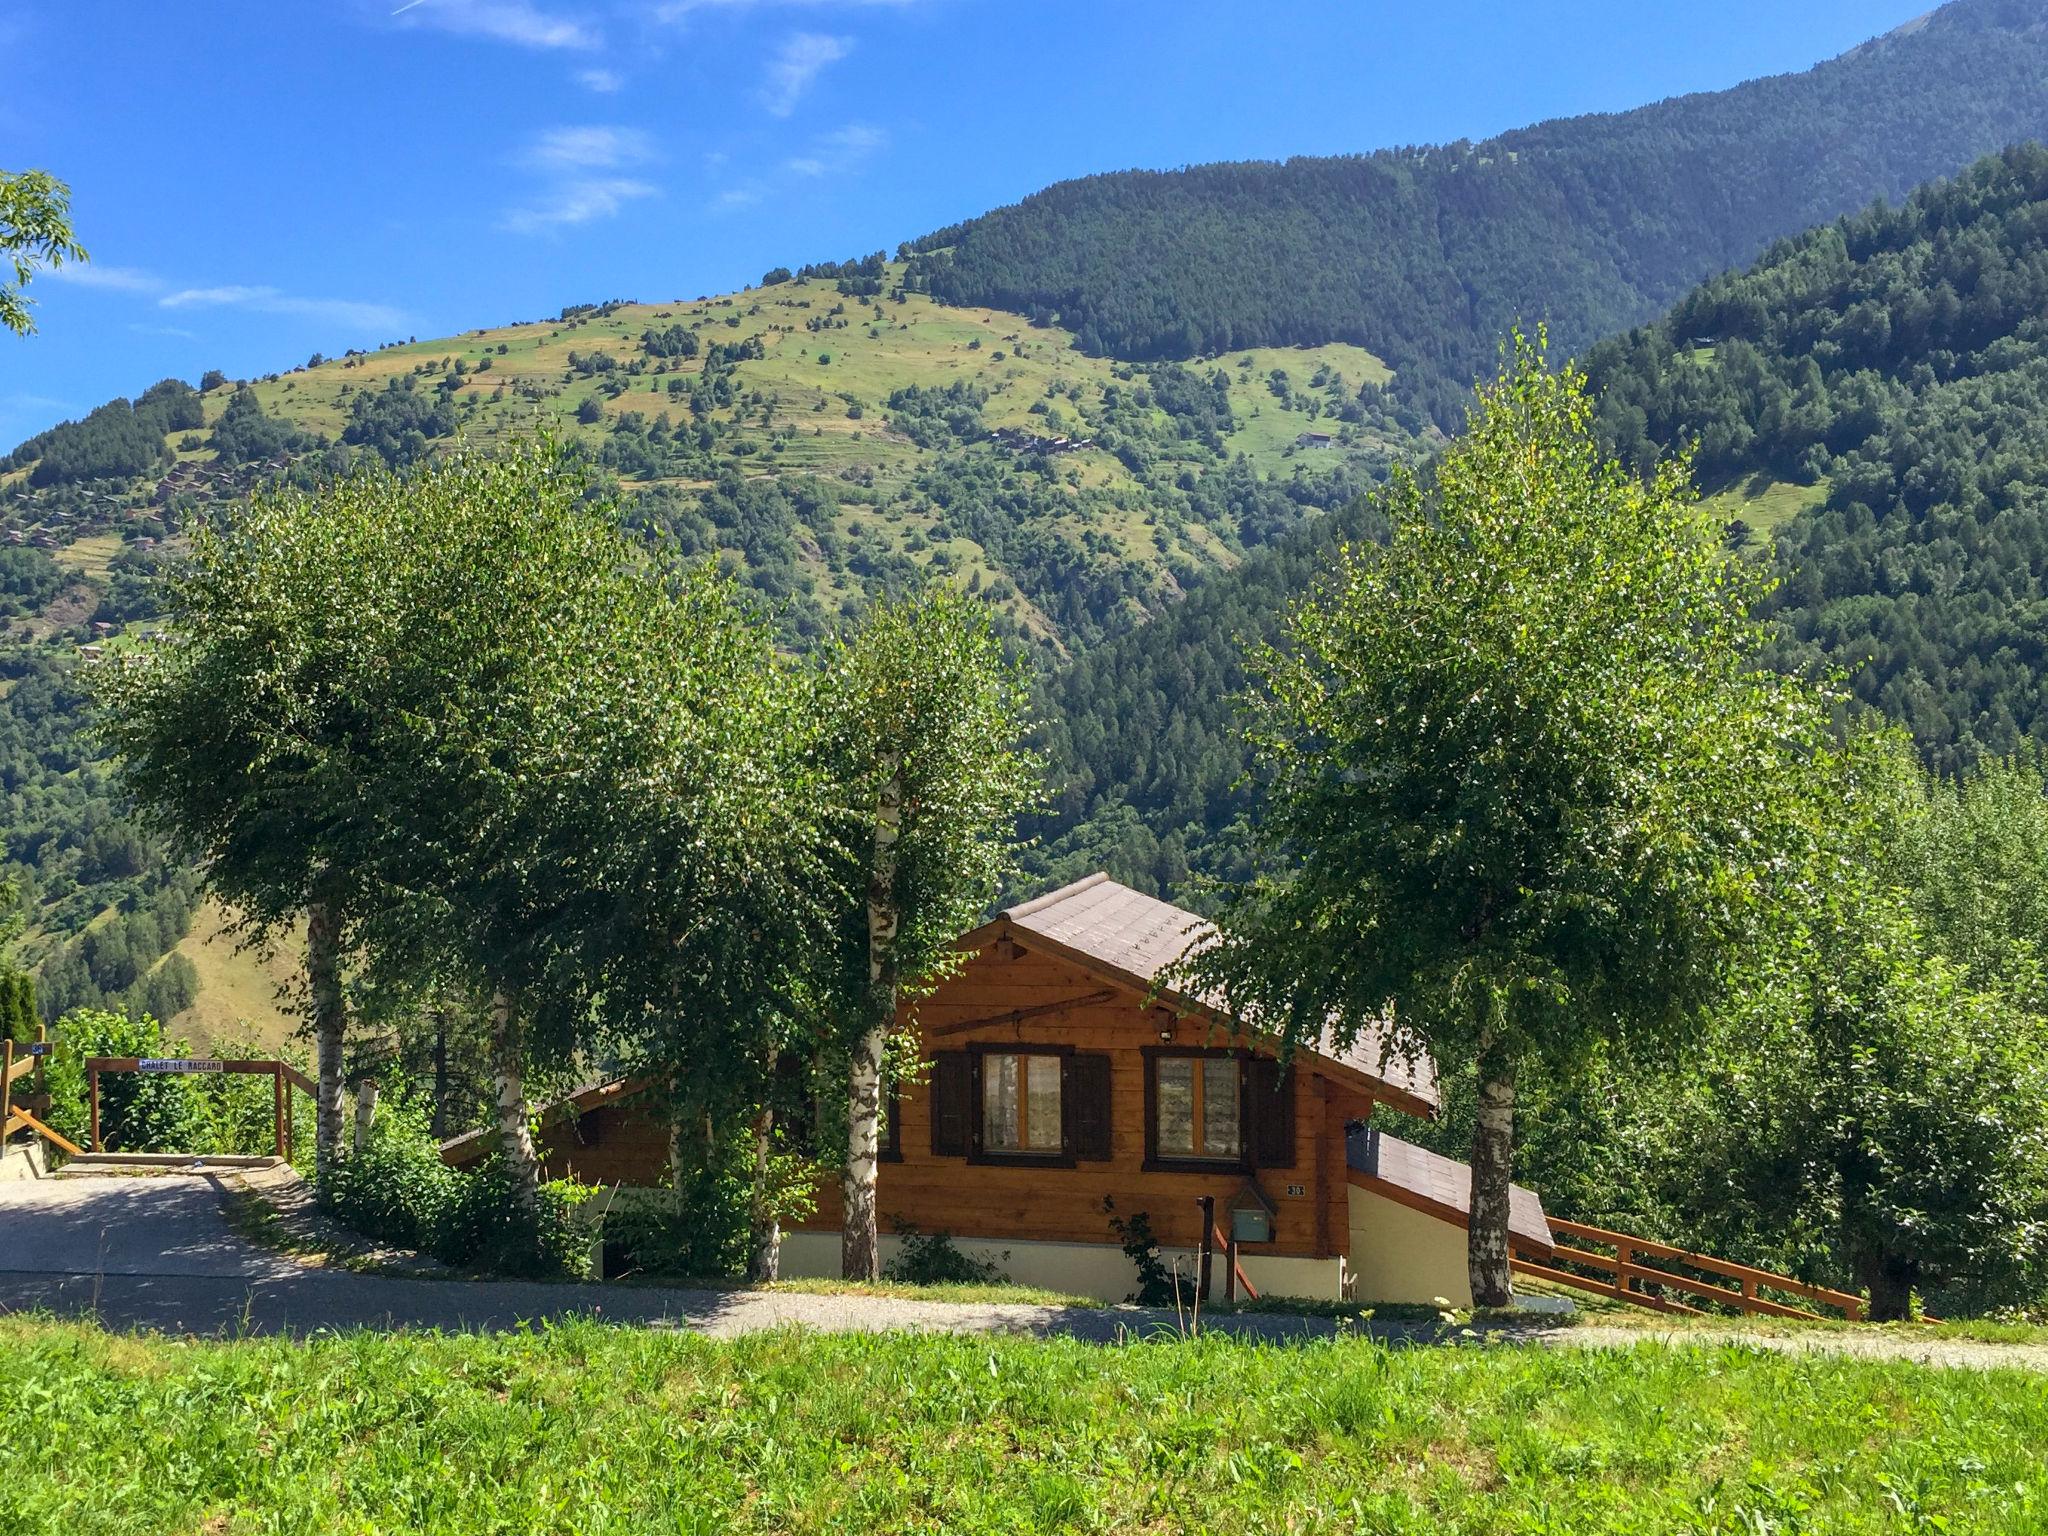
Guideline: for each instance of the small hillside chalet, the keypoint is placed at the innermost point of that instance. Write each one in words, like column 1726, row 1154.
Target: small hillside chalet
column 1061, row 1073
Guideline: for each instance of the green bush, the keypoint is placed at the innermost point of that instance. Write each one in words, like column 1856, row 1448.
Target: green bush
column 930, row 1258
column 397, row 1190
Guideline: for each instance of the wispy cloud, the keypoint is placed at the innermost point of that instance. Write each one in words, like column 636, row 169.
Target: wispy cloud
column 603, row 81
column 576, row 202
column 795, row 68
column 589, row 148
column 732, row 199
column 581, row 167
column 83, row 274
column 839, row 151
column 503, row 21
column 264, row 300
column 178, row 332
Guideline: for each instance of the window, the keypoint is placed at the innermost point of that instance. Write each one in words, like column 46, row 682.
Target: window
column 1020, row 1104
column 1196, row 1109
column 1041, row 1104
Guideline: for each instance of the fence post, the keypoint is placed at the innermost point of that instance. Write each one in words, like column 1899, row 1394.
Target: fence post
column 6, row 1084
column 92, row 1093
column 1230, row 1266
column 277, row 1106
column 1208, row 1244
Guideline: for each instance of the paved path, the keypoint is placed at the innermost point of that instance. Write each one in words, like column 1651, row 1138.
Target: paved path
column 158, row 1253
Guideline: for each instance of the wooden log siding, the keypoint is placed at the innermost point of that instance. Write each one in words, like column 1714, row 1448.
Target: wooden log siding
column 1033, row 1000
column 1014, row 997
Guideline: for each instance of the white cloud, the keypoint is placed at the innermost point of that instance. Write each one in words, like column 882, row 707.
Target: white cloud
column 177, row 331
column 83, row 274
column 576, row 201
column 839, row 151
column 580, row 169
column 796, row 66
column 562, row 150
column 503, row 21
column 734, row 198
column 603, row 81
column 264, row 300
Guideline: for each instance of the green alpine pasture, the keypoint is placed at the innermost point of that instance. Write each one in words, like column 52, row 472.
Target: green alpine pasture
column 595, row 1430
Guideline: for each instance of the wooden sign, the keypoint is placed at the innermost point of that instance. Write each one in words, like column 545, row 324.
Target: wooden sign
column 177, row 1064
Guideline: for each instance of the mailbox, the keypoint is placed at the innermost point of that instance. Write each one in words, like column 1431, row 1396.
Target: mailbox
column 1251, row 1224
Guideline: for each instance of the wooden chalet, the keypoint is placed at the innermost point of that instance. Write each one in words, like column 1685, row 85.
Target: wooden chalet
column 1062, row 1074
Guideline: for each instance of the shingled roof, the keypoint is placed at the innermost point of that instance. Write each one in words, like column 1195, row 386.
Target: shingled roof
column 1418, row 1177
column 1134, row 938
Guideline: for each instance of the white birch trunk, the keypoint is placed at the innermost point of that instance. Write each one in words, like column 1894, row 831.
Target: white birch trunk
column 508, row 1078
column 859, row 1253
column 1493, row 1137
column 764, row 1228
column 330, row 1020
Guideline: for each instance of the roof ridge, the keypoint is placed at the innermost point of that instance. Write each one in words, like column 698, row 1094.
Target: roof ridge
column 1040, row 903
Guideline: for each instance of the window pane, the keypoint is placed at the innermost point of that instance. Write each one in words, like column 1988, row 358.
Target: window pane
column 1175, row 1101
column 1219, row 1106
column 1042, row 1123
column 999, row 1103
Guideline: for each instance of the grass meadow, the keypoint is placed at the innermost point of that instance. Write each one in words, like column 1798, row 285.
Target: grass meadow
column 596, row 1430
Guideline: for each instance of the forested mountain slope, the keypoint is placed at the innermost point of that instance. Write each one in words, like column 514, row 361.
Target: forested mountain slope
column 1896, row 364
column 1426, row 255
column 829, row 434
column 1888, row 373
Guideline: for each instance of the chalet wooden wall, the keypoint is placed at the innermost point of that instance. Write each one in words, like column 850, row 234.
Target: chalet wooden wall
column 992, row 1200
column 1311, row 1200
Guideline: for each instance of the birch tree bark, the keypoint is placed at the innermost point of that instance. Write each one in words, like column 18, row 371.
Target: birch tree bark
column 1486, row 1253
column 859, row 1252
column 508, row 1081
column 330, row 1020
column 764, row 1227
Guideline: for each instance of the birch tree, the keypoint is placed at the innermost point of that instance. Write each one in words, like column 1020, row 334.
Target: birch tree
column 927, row 724
column 1529, row 786
column 242, row 731
column 35, row 232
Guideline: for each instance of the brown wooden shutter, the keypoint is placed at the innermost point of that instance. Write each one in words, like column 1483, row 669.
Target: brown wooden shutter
column 1272, row 1114
column 1085, row 1093
column 952, row 1097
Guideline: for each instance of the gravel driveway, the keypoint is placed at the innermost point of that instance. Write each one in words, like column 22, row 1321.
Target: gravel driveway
column 158, row 1253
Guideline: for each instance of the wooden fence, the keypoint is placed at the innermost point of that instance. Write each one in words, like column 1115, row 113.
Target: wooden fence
column 282, row 1074
column 1645, row 1273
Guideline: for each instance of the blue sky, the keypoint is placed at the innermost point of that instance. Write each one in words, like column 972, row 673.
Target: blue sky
column 258, row 180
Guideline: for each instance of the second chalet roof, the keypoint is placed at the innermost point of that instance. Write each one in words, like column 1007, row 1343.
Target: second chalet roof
column 1136, row 937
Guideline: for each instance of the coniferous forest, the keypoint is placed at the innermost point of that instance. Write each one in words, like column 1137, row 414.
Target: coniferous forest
column 1427, row 254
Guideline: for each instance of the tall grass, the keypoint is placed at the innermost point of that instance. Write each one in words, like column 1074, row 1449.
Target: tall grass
column 596, row 1430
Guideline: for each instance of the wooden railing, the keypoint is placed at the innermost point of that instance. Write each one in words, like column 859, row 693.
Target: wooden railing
column 15, row 1064
column 1625, row 1276
column 282, row 1074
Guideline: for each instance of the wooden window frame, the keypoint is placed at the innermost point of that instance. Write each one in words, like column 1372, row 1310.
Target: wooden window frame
column 1155, row 1161
column 976, row 1150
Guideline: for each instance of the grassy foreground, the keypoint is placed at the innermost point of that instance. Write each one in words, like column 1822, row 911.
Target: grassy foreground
column 590, row 1429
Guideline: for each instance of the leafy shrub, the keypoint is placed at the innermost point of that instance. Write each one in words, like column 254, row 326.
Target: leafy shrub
column 397, row 1190
column 481, row 1227
column 930, row 1258
column 139, row 1112
column 1158, row 1286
